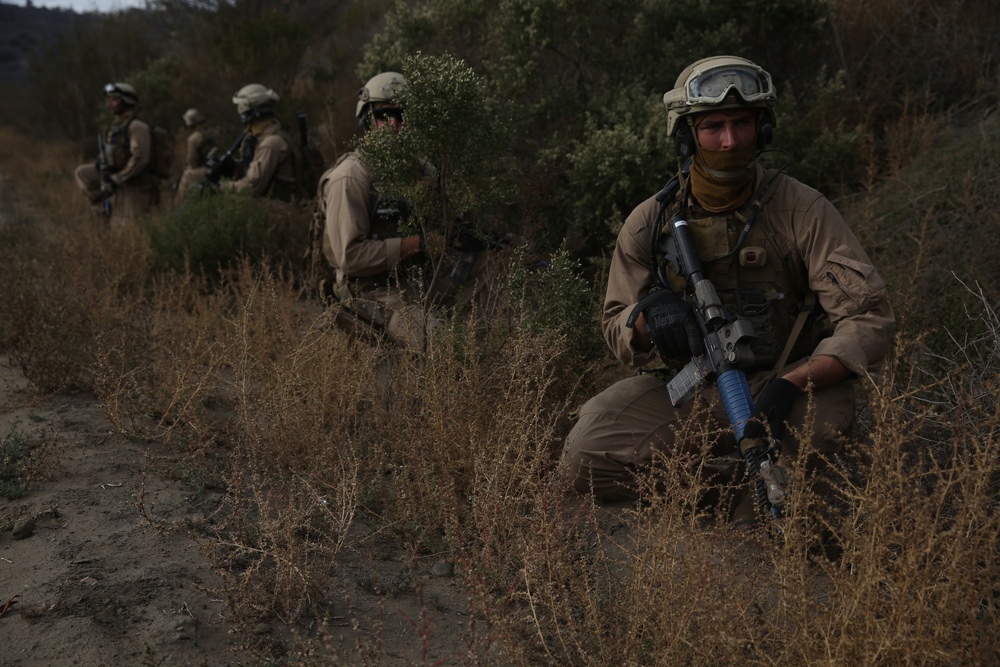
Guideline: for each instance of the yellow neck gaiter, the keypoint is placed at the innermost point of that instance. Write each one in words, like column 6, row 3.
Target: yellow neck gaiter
column 259, row 125
column 722, row 180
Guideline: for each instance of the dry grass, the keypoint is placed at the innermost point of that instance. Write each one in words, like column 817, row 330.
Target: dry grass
column 340, row 451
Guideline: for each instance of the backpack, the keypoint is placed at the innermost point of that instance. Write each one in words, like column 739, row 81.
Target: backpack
column 162, row 159
column 309, row 162
column 320, row 276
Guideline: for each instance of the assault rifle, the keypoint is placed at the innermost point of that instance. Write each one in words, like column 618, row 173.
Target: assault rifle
column 727, row 345
column 218, row 166
column 300, row 121
column 107, row 185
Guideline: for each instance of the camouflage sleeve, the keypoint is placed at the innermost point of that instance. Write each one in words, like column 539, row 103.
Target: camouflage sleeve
column 268, row 155
column 194, row 159
column 346, row 201
column 140, row 142
column 629, row 280
column 847, row 286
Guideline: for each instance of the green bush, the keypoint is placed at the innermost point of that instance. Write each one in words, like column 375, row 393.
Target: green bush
column 557, row 298
column 827, row 152
column 13, row 451
column 452, row 124
column 208, row 233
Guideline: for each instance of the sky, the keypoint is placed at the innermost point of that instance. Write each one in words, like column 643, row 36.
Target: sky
column 83, row 5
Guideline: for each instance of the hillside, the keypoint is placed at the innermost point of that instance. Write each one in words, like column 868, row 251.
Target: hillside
column 25, row 27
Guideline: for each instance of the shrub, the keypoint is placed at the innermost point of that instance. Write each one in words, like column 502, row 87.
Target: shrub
column 209, row 233
column 451, row 124
column 23, row 460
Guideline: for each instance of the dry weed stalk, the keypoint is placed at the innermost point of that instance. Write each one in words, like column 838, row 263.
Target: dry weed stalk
column 157, row 371
column 918, row 528
column 294, row 476
column 64, row 295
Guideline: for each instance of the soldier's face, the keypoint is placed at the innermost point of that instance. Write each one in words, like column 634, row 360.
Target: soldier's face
column 389, row 116
column 727, row 130
column 115, row 103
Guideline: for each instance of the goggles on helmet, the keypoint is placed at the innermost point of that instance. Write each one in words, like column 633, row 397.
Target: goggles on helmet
column 711, row 87
column 111, row 89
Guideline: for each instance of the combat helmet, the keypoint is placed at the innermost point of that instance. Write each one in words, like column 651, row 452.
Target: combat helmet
column 384, row 87
column 192, row 117
column 124, row 91
column 712, row 84
column 254, row 101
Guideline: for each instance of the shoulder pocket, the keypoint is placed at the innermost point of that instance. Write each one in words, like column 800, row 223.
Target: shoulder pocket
column 856, row 283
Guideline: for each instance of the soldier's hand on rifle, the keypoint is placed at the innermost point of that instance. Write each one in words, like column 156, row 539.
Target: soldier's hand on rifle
column 772, row 409
column 108, row 187
column 671, row 324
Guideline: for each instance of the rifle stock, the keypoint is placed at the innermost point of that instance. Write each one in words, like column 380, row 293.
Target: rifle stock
column 102, row 169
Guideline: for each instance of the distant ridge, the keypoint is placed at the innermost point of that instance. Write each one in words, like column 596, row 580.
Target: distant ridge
column 23, row 28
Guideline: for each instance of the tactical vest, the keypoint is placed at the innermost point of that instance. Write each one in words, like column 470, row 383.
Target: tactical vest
column 295, row 189
column 243, row 156
column 209, row 142
column 753, row 282
column 116, row 145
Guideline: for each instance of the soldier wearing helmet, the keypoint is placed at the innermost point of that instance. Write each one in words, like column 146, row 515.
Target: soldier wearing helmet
column 200, row 143
column 127, row 186
column 780, row 256
column 356, row 240
column 273, row 169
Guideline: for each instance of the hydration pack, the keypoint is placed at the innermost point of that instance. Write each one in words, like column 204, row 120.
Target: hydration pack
column 162, row 160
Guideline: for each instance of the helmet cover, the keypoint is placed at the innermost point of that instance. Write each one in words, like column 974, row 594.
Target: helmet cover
column 716, row 83
column 384, row 87
column 124, row 91
column 193, row 117
column 254, row 100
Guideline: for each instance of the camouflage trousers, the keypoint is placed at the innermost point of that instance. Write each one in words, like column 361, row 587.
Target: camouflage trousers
column 190, row 179
column 620, row 431
column 390, row 310
column 130, row 201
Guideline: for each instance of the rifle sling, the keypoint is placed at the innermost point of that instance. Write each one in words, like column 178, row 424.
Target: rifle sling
column 800, row 322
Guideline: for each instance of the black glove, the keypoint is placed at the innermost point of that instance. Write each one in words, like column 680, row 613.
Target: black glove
column 466, row 241
column 773, row 407
column 671, row 323
column 108, row 187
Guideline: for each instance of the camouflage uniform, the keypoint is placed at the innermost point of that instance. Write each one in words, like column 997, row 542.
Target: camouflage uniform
column 810, row 250
column 361, row 244
column 272, row 171
column 199, row 144
column 799, row 276
column 128, row 146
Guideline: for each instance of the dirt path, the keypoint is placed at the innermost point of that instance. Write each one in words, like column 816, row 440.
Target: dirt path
column 103, row 571
column 98, row 584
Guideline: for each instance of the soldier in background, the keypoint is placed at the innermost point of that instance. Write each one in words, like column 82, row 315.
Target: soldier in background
column 200, row 143
column 273, row 170
column 359, row 256
column 126, row 187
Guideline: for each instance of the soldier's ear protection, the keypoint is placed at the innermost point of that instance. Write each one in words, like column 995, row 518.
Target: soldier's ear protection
column 765, row 129
column 684, row 139
column 685, row 144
